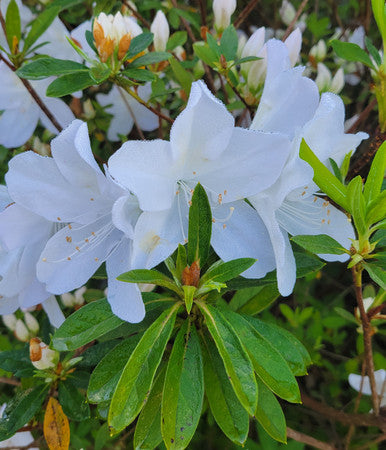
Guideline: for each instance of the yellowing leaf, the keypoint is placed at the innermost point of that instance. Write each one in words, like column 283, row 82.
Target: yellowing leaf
column 56, row 426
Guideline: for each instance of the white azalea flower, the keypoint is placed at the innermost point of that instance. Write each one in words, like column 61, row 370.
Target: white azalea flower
column 76, row 194
column 20, row 111
column 204, row 147
column 160, row 29
column 355, row 382
column 20, row 439
column 290, row 104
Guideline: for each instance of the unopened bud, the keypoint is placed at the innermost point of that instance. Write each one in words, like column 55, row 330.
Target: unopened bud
column 223, row 10
column 146, row 287
column 32, row 323
column 323, row 78
column 78, row 295
column 294, row 44
column 10, row 321
column 337, row 83
column 75, row 299
column 41, row 356
column 191, row 275
column 161, row 31
column 287, row 12
column 319, row 51
column 21, row 331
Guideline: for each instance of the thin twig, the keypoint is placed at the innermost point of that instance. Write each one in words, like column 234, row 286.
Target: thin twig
column 185, row 24
column 202, row 6
column 309, row 440
column 245, row 13
column 35, row 96
column 226, row 98
column 295, row 19
column 363, row 115
column 367, row 331
column 137, row 14
column 11, row 381
column 373, row 443
column 234, row 89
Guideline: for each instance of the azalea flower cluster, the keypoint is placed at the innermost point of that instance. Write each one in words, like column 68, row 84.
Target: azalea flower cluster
column 63, row 216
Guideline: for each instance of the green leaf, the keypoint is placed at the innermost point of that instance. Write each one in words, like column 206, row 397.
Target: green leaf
column 205, row 53
column 236, row 360
column 181, row 261
column 377, row 274
column 40, row 25
column 139, row 44
column 17, row 361
column 375, row 177
column 378, row 7
column 270, row 415
column 319, row 244
column 100, row 73
column 373, row 51
column 225, row 271
column 20, row 410
column 183, row 77
column 200, row 227
column 137, row 376
column 226, row 408
column 327, row 182
column 139, row 74
column 176, row 39
column 213, row 45
column 83, row 326
column 265, row 296
column 47, row 67
column 336, row 169
column 148, row 428
column 268, row 363
column 189, row 292
column 103, row 6
column 12, row 24
column 107, row 373
column 72, row 401
column 346, row 315
column 357, row 204
column 149, row 276
column 376, row 209
column 286, row 344
column 150, row 58
column 246, row 59
column 67, row 84
column 351, row 52
column 229, row 43
column 183, row 390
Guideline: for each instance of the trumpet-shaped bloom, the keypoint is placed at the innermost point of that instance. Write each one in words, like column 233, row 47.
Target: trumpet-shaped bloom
column 231, row 163
column 290, row 104
column 21, row 112
column 71, row 190
column 356, row 381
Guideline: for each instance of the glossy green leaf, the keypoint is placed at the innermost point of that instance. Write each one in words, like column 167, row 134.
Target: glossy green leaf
column 149, row 276
column 376, row 175
column 377, row 274
column 200, row 227
column 139, row 74
column 183, row 390
column 12, row 23
column 183, row 77
column 373, row 51
column 351, row 52
column 327, row 182
column 47, row 67
column 321, row 243
column 17, row 361
column 107, row 373
column 285, row 343
column 69, row 83
column 357, row 204
column 376, row 209
column 206, row 54
column 83, row 326
column 270, row 415
column 176, row 39
column 100, row 73
column 20, row 410
column 236, row 360
column 226, row 408
column 40, row 25
column 72, row 401
column 181, row 261
column 189, row 292
column 150, row 58
column 229, row 43
column 224, row 271
column 139, row 44
column 137, row 376
column 379, row 12
column 148, row 428
column 265, row 296
column 268, row 363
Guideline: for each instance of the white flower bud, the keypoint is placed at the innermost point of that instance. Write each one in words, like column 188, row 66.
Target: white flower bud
column 21, row 331
column 243, row 38
column 88, row 109
column 10, row 321
column 254, row 43
column 68, row 300
column 319, row 51
column 146, row 287
column 323, row 78
column 294, row 44
column 367, row 302
column 41, row 356
column 287, row 12
column 337, row 82
column 223, row 10
column 78, row 296
column 32, row 323
column 161, row 31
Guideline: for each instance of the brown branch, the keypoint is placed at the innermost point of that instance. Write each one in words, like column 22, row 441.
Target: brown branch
column 137, row 14
column 363, row 115
column 202, row 6
column 295, row 19
column 309, row 440
column 185, row 24
column 245, row 13
column 361, row 420
column 367, row 332
column 11, row 381
column 234, row 89
column 371, row 444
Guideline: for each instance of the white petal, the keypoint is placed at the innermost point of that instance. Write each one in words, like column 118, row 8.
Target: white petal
column 17, row 125
column 125, row 298
column 8, row 305
column 157, row 234
column 355, row 382
column 79, row 35
column 53, row 311
column 73, row 254
column 294, row 44
column 144, row 167
column 242, row 235
column 203, row 128
column 13, row 94
column 125, row 214
column 9, row 262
